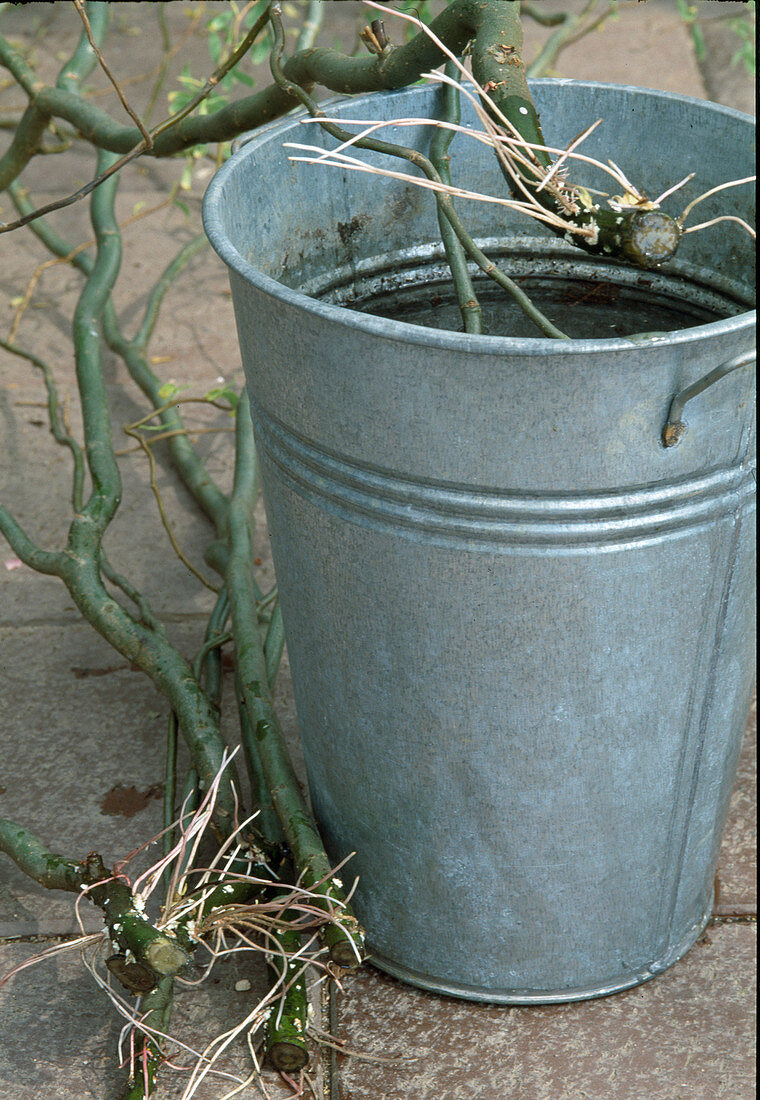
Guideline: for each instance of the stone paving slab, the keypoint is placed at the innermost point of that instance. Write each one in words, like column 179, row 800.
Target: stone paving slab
column 97, row 729
column 737, row 868
column 686, row 1035
column 59, row 1036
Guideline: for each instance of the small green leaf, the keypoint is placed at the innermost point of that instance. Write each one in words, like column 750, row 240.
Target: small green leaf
column 186, row 179
column 178, row 101
column 190, row 82
column 260, row 49
column 215, row 48
column 219, row 393
column 219, row 22
column 243, row 78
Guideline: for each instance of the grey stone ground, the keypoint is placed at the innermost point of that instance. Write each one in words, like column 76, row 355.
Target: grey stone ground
column 77, row 722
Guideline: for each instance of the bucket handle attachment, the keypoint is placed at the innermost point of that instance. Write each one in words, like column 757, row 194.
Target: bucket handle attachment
column 674, row 425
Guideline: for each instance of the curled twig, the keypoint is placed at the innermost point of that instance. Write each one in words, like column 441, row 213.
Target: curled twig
column 433, row 180
column 39, row 271
column 149, row 136
column 131, row 431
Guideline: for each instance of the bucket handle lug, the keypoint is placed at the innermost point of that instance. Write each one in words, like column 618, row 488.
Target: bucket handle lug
column 674, row 425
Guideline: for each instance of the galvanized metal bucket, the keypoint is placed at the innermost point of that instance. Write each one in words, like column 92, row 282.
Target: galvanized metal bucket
column 519, row 625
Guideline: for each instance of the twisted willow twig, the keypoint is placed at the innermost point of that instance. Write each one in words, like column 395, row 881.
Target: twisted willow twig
column 159, row 952
column 43, row 108
column 147, row 138
column 84, row 59
column 420, row 161
column 344, row 937
column 637, row 234
column 95, row 313
column 398, row 67
column 492, row 26
column 196, row 478
column 78, row 565
column 469, row 306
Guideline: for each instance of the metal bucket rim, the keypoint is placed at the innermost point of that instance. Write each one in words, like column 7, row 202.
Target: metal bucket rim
column 445, row 339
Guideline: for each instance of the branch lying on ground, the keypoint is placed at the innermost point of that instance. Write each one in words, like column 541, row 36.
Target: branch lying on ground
column 155, row 953
column 145, row 640
column 344, row 937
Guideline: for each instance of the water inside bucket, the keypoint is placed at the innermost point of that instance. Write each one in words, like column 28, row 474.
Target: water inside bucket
column 586, row 300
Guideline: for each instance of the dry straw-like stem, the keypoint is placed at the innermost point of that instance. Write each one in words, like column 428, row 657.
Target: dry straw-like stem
column 514, row 152
column 148, row 452
column 518, row 158
column 132, row 430
column 342, row 160
column 222, row 930
column 722, row 217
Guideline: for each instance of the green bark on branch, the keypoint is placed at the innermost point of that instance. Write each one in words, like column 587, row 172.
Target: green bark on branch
column 127, row 926
column 469, row 307
column 79, row 564
column 185, row 459
column 395, row 68
column 445, row 204
column 644, row 237
column 285, row 1039
column 343, row 935
column 155, row 1009
column 84, row 59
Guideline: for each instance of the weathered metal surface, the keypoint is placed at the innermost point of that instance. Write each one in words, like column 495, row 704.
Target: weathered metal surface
column 675, row 426
column 520, row 628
